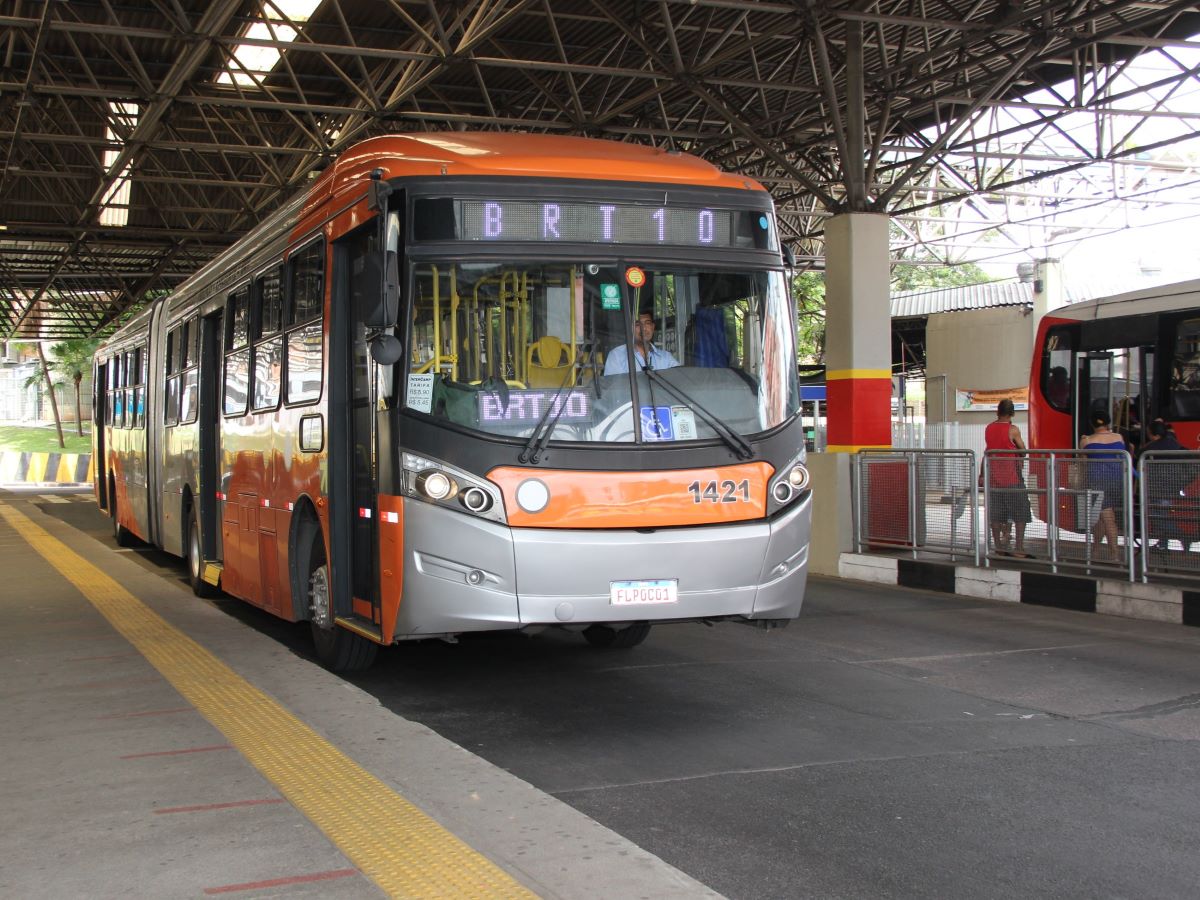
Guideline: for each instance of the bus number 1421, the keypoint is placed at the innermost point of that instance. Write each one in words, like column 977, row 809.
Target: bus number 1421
column 723, row 492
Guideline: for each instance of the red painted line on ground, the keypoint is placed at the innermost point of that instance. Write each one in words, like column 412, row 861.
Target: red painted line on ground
column 176, row 752
column 119, row 682
column 98, row 658
column 149, row 712
column 277, row 882
column 207, row 806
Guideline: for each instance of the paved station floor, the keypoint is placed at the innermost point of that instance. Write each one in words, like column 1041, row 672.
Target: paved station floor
column 890, row 743
column 156, row 747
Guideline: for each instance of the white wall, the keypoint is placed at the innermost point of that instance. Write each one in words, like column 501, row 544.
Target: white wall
column 978, row 349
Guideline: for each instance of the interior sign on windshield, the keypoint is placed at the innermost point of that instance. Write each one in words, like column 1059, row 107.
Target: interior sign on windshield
column 528, row 407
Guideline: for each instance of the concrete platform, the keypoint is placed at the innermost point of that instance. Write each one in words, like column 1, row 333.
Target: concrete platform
column 156, row 747
column 1152, row 602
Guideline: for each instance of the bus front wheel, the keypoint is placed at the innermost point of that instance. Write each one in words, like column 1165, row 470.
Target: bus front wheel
column 604, row 636
column 338, row 650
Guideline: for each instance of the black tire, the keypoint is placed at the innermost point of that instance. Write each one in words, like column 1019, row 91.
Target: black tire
column 195, row 559
column 338, row 649
column 611, row 638
column 121, row 534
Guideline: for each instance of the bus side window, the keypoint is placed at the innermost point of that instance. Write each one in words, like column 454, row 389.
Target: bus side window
column 304, row 304
column 1056, row 370
column 1184, row 401
column 189, row 389
column 171, row 409
column 237, row 360
column 268, row 348
column 139, row 388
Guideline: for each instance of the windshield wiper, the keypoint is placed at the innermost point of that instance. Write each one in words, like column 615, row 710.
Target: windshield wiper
column 735, row 441
column 536, row 445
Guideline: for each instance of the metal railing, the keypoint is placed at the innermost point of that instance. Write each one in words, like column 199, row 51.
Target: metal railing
column 1070, row 509
column 917, row 500
column 1169, row 512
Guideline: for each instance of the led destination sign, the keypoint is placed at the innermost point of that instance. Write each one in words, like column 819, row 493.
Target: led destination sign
column 528, row 407
column 591, row 223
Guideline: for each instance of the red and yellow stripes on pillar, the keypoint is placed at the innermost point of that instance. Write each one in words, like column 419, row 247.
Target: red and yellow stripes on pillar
column 860, row 409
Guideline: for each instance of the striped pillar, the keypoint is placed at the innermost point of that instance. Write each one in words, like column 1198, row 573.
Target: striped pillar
column 858, row 332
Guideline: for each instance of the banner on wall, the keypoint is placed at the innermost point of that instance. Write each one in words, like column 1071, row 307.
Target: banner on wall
column 986, row 401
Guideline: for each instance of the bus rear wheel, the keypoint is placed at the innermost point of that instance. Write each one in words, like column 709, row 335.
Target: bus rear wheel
column 338, row 650
column 195, row 561
column 604, row 636
column 121, row 534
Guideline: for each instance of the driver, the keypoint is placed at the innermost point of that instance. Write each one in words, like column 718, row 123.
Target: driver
column 644, row 350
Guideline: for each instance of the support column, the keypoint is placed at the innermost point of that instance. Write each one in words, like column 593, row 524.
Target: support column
column 1047, row 290
column 858, row 332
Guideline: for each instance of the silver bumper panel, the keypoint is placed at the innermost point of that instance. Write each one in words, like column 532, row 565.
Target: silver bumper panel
column 463, row 574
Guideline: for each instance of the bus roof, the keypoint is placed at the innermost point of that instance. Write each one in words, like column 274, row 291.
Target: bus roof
column 498, row 154
column 1163, row 298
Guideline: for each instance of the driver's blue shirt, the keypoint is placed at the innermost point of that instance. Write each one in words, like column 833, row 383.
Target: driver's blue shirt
column 618, row 360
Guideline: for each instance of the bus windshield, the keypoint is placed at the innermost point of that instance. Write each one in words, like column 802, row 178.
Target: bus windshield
column 602, row 352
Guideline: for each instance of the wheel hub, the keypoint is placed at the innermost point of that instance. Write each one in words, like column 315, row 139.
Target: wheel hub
column 318, row 598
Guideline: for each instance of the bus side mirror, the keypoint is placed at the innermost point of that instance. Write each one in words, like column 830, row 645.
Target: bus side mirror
column 386, row 349
column 391, row 288
column 789, row 255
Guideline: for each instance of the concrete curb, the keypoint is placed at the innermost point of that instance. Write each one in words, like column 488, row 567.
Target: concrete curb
column 1153, row 602
column 45, row 468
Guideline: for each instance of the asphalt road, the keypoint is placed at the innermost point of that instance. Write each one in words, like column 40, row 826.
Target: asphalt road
column 890, row 743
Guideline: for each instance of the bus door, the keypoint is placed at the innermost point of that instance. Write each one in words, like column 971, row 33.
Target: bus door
column 354, row 535
column 99, row 424
column 1119, row 382
column 1093, row 389
column 212, row 336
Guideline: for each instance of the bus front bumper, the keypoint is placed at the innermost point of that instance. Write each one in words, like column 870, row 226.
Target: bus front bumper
column 465, row 574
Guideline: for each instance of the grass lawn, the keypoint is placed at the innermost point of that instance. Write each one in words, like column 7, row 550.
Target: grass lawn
column 43, row 440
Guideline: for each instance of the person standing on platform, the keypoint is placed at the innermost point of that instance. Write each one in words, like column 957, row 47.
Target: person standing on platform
column 1104, row 476
column 1008, row 501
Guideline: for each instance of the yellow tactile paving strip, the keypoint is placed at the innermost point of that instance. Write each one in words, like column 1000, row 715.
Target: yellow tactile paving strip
column 391, row 841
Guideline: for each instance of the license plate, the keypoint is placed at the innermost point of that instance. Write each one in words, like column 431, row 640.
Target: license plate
column 631, row 593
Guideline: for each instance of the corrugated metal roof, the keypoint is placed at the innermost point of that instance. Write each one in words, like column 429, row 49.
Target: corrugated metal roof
column 926, row 302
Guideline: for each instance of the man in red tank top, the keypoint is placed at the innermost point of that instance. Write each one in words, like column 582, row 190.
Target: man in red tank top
column 1008, row 501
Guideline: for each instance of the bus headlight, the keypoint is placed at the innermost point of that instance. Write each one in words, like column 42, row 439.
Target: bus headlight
column 789, row 484
column 475, row 499
column 448, row 486
column 436, row 485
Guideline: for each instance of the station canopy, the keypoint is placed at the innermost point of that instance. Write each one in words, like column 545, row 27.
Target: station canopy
column 140, row 139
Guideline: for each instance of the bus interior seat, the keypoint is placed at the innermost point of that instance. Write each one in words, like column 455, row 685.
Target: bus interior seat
column 704, row 340
column 545, row 362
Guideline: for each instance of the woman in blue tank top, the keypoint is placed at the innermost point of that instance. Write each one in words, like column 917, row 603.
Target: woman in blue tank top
column 1104, row 475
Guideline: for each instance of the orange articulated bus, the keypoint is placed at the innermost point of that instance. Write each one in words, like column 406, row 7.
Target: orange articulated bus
column 470, row 382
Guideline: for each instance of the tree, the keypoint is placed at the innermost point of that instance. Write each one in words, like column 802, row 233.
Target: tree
column 45, row 373
column 910, row 277
column 73, row 360
column 808, row 289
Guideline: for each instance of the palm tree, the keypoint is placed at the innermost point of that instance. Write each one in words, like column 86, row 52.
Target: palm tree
column 73, row 360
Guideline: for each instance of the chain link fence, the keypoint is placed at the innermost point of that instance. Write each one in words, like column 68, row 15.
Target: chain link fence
column 917, row 500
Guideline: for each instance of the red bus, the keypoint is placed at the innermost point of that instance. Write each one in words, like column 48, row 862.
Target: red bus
column 1135, row 356
column 404, row 406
